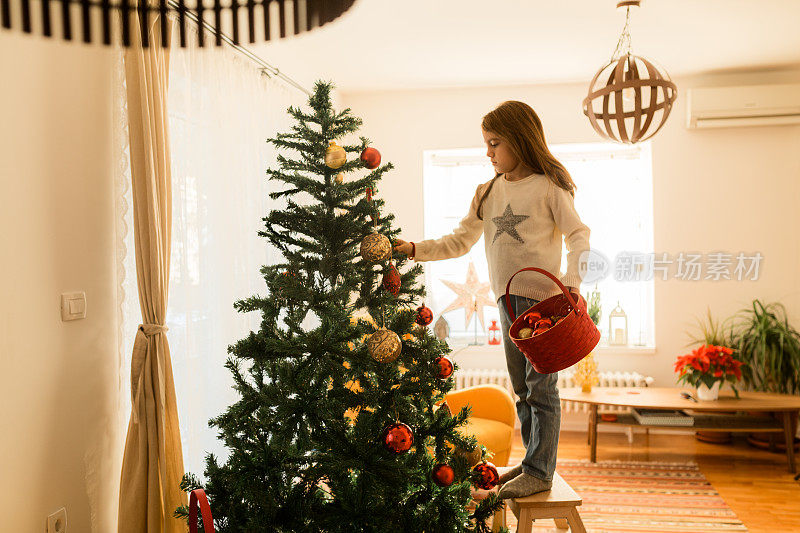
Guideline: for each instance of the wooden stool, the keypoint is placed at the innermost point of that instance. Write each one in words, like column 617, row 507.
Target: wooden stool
column 559, row 503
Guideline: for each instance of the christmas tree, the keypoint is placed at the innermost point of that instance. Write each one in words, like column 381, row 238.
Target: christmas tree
column 341, row 425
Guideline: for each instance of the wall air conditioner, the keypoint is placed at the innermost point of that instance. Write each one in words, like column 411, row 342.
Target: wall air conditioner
column 751, row 105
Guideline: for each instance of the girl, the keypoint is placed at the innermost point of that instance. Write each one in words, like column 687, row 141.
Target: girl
column 522, row 212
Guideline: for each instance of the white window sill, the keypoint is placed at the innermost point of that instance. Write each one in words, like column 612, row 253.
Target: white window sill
column 461, row 347
column 625, row 350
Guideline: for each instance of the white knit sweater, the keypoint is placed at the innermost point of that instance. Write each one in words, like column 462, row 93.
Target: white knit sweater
column 523, row 223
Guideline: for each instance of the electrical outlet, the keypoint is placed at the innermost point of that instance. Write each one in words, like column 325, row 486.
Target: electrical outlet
column 57, row 522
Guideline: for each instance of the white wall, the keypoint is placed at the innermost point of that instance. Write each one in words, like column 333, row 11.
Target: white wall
column 59, row 442
column 719, row 190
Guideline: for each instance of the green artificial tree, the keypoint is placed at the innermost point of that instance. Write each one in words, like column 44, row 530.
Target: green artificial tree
column 306, row 438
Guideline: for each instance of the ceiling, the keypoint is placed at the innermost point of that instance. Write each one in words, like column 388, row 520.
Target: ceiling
column 389, row 44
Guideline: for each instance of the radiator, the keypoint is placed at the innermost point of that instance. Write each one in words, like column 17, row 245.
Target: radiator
column 479, row 376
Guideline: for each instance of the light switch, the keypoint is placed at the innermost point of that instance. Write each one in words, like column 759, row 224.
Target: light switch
column 73, row 306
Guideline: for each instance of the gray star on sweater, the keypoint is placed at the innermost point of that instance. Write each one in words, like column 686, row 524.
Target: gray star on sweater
column 507, row 222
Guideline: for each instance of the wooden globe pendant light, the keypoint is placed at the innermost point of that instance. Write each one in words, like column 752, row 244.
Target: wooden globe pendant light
column 629, row 99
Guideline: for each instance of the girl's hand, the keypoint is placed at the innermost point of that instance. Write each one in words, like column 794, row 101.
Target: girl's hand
column 402, row 246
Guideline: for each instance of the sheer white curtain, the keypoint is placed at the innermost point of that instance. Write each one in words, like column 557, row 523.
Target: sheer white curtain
column 222, row 110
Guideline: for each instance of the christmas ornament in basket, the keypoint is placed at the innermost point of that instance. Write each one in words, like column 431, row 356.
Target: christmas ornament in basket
column 563, row 343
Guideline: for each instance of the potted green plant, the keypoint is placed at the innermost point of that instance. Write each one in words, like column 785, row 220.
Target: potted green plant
column 712, row 331
column 593, row 305
column 770, row 346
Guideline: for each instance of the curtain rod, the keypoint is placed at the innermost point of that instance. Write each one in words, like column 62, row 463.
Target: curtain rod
column 265, row 67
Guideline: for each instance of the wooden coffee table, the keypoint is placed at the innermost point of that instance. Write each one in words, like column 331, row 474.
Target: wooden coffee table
column 703, row 411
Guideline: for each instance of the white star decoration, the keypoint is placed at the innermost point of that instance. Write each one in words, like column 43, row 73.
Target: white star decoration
column 473, row 296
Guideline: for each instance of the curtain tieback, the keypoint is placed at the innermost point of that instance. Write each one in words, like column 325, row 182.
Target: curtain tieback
column 140, row 345
column 152, row 329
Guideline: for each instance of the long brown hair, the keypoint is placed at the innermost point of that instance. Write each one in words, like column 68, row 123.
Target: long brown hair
column 519, row 125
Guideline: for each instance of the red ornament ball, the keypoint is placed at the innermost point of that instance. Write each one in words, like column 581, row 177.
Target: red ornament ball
column 424, row 315
column 391, row 280
column 443, row 475
column 485, row 475
column 398, row 438
column 445, row 367
column 531, row 318
column 371, row 158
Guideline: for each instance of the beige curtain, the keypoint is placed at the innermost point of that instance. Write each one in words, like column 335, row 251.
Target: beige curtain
column 153, row 462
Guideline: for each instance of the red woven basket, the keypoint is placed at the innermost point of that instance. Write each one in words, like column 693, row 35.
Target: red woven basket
column 566, row 342
column 198, row 496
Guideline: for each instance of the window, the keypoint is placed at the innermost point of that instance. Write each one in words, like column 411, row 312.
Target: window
column 614, row 198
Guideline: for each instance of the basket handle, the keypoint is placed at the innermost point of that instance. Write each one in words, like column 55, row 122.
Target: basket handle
column 199, row 496
column 549, row 275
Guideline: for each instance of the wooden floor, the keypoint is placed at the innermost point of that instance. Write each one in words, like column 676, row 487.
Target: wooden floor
column 755, row 483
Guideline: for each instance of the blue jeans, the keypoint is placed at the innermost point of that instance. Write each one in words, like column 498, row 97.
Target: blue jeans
column 538, row 404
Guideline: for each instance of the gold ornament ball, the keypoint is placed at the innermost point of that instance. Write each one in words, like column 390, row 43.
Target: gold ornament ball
column 384, row 345
column 339, row 178
column 376, row 248
column 472, row 456
column 335, row 156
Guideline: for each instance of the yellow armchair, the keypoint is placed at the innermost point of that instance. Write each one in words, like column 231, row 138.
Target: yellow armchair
column 492, row 418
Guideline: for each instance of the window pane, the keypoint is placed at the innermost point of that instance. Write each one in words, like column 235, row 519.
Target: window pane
column 614, row 198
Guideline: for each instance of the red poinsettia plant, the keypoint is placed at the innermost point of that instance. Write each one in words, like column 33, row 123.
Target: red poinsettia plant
column 707, row 365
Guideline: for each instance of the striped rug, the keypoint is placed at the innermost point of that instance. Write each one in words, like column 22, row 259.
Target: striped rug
column 625, row 496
